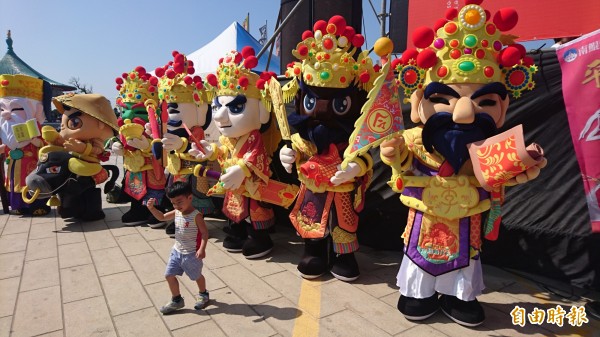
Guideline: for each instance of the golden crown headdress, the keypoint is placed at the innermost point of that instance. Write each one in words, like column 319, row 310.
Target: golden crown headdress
column 176, row 83
column 235, row 77
column 326, row 59
column 464, row 47
column 135, row 87
column 21, row 86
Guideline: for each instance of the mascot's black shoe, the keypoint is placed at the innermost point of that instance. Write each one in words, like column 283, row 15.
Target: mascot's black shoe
column 315, row 259
column 93, row 205
column 345, row 267
column 138, row 214
column 418, row 309
column 258, row 244
column 236, row 236
column 467, row 313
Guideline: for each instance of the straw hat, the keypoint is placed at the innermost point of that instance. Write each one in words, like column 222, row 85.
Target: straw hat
column 94, row 105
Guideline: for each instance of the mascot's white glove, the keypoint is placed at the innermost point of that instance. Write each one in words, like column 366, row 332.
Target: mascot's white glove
column 287, row 157
column 117, row 149
column 206, row 147
column 148, row 129
column 342, row 176
column 171, row 142
column 141, row 143
column 233, row 177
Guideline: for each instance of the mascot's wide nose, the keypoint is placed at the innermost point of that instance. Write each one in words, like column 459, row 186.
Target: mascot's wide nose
column 35, row 182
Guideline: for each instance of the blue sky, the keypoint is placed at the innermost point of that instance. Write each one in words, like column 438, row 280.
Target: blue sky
column 98, row 40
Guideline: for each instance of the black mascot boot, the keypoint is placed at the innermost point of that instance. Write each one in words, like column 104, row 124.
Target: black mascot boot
column 345, row 267
column 315, row 259
column 236, row 236
column 418, row 309
column 138, row 214
column 467, row 313
column 93, row 205
column 71, row 206
column 258, row 244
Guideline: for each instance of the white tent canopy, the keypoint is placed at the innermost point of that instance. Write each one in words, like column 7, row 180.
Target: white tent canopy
column 234, row 37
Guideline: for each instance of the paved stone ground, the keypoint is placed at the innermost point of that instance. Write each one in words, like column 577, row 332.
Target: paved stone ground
column 65, row 278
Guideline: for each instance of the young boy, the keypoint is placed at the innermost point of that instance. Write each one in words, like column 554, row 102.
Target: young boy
column 191, row 237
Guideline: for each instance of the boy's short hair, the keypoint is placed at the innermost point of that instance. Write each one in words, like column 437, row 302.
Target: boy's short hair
column 178, row 188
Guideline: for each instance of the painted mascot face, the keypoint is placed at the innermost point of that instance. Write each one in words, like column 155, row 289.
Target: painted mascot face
column 236, row 116
column 458, row 114
column 189, row 114
column 327, row 115
column 17, row 110
column 76, row 124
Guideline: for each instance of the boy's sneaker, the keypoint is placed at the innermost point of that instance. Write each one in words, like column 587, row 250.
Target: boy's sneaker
column 202, row 301
column 172, row 306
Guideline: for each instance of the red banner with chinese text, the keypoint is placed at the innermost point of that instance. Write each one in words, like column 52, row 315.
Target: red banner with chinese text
column 538, row 19
column 580, row 65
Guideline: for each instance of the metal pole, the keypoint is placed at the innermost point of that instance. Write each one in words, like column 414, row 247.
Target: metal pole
column 273, row 45
column 383, row 16
column 278, row 30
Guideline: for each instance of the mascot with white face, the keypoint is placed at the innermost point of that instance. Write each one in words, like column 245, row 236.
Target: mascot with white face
column 187, row 105
column 248, row 138
column 22, row 100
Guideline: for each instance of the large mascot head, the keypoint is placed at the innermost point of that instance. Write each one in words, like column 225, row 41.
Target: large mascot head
column 134, row 90
column 21, row 99
column 187, row 101
column 241, row 102
column 86, row 117
column 329, row 84
column 460, row 76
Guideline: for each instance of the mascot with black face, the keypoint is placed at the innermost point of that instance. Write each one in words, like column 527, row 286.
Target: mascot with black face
column 329, row 86
column 459, row 80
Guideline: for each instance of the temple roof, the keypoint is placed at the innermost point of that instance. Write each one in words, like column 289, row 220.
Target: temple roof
column 12, row 64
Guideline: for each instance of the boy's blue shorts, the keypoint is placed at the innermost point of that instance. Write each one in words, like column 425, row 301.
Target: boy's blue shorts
column 188, row 263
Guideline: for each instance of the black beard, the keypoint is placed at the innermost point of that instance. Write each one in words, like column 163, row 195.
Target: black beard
column 450, row 139
column 320, row 134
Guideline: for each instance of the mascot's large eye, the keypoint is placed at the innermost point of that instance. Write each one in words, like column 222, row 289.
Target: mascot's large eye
column 238, row 108
column 309, row 104
column 341, row 105
column 74, row 123
column 53, row 169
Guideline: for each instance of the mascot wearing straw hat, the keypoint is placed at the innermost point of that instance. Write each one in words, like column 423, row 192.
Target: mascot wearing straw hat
column 249, row 136
column 22, row 105
column 144, row 174
column 329, row 87
column 187, row 104
column 459, row 80
column 74, row 155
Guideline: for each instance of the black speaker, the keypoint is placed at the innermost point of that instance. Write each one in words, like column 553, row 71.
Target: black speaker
column 307, row 14
column 399, row 24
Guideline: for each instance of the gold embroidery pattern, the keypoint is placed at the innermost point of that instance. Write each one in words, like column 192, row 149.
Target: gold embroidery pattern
column 450, row 198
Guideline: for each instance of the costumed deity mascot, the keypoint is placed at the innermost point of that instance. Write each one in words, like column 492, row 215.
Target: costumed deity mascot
column 144, row 174
column 22, row 105
column 187, row 104
column 329, row 86
column 458, row 80
column 249, row 136
column 88, row 122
